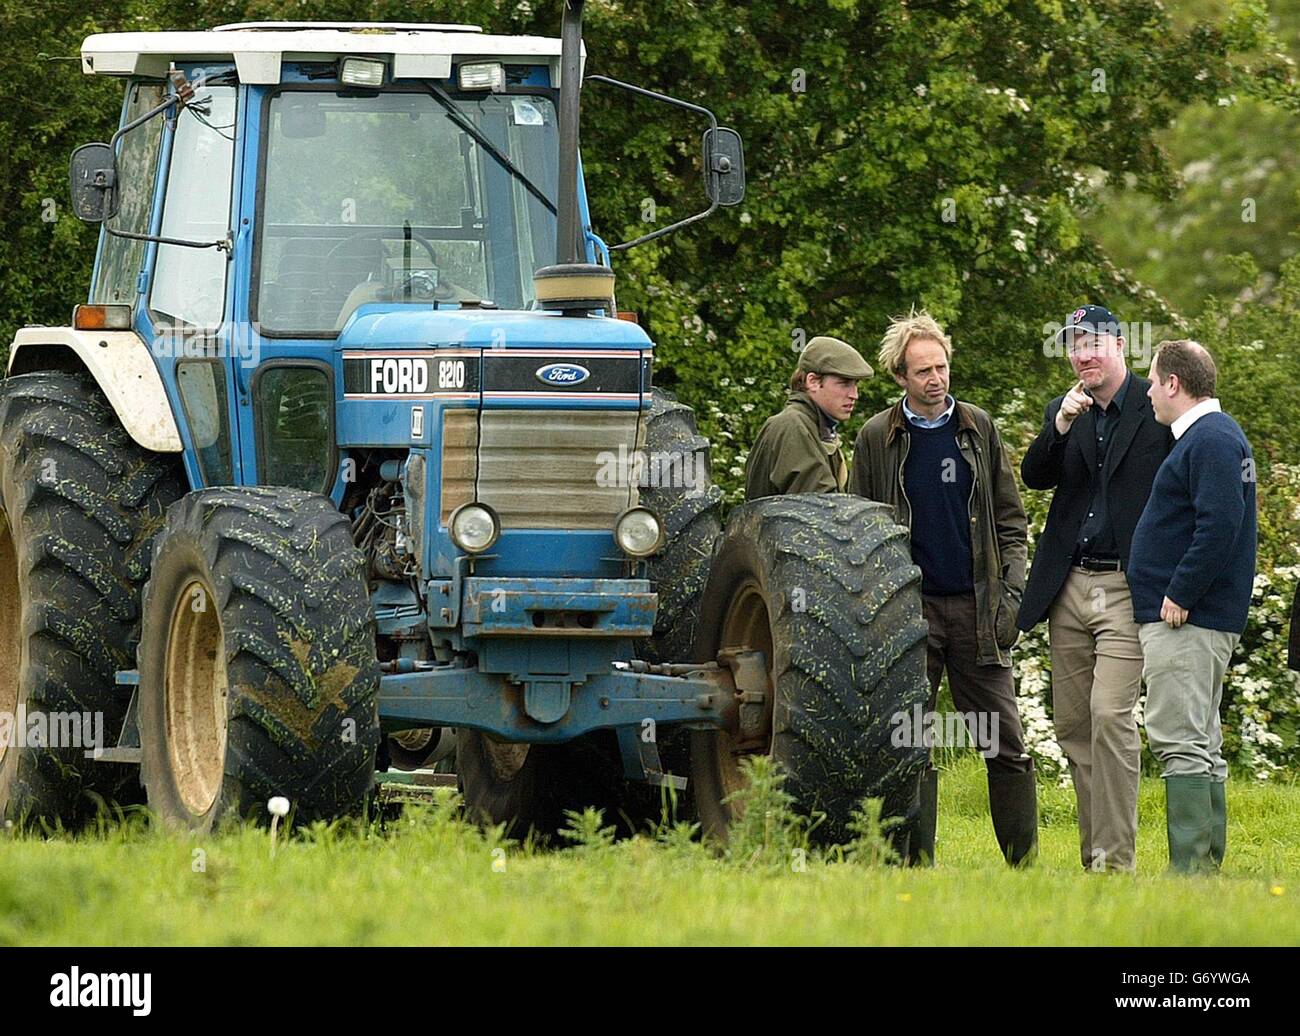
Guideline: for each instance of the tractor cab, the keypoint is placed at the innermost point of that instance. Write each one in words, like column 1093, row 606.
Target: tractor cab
column 273, row 183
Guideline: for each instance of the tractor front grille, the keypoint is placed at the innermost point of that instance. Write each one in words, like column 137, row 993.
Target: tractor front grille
column 541, row 469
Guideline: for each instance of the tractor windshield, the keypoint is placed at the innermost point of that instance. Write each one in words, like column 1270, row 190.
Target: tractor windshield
column 383, row 197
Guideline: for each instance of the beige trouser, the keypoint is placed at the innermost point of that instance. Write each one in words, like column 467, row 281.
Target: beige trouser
column 1096, row 676
column 1184, row 671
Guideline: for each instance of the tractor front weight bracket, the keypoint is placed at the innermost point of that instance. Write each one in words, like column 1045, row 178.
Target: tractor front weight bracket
column 634, row 698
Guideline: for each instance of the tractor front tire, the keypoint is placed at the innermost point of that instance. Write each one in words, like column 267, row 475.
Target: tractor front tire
column 825, row 587
column 258, row 673
column 80, row 502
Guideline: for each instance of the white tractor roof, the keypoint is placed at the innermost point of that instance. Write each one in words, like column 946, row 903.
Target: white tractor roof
column 258, row 48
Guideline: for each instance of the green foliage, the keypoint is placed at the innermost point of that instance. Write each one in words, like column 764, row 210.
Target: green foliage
column 586, row 831
column 766, row 831
column 862, row 129
column 1235, row 189
column 50, row 108
column 1254, row 346
column 870, row 846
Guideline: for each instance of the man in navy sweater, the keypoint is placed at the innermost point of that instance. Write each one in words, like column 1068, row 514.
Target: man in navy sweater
column 1192, row 567
column 940, row 464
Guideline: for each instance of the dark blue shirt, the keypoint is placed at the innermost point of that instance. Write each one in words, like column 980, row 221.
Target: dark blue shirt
column 1096, row 537
column 938, row 483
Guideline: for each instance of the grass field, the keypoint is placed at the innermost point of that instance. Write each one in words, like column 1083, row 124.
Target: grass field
column 428, row 878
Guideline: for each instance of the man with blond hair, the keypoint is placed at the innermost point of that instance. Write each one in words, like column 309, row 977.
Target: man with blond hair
column 1192, row 572
column 940, row 464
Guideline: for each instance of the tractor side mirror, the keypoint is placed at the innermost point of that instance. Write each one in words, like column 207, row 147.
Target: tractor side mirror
column 724, row 166
column 724, row 162
column 93, row 174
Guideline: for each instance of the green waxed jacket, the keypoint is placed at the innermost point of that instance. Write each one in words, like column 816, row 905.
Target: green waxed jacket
column 999, row 530
column 790, row 455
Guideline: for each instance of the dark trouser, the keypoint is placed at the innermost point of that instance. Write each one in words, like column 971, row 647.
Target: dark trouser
column 987, row 692
column 985, row 698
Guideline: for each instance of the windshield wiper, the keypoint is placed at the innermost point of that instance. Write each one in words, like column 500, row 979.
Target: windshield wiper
column 458, row 117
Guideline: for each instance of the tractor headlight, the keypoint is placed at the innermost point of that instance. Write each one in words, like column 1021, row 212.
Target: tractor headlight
column 484, row 76
column 639, row 532
column 361, row 72
column 474, row 527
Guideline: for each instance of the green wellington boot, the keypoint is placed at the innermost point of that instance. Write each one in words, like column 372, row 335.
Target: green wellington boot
column 1219, row 825
column 1189, row 819
column 1013, row 806
column 920, row 849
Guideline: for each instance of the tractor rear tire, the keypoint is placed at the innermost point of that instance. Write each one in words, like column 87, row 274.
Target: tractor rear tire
column 80, row 502
column 692, row 517
column 529, row 787
column 824, row 585
column 258, row 673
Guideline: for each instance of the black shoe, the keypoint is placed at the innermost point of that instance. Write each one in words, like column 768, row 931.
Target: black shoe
column 1013, row 805
column 920, row 850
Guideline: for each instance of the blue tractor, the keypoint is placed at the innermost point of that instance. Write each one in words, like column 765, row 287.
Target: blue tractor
column 348, row 463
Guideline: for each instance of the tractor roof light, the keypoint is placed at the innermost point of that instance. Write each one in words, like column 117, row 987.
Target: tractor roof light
column 365, row 72
column 474, row 528
column 639, row 532
column 486, row 76
column 101, row 318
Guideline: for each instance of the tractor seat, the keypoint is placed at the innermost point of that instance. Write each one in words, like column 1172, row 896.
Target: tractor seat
column 310, row 283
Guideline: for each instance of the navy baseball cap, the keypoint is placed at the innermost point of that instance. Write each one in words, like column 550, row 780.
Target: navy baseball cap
column 1093, row 319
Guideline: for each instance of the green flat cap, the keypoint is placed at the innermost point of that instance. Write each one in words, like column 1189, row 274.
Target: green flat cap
column 825, row 355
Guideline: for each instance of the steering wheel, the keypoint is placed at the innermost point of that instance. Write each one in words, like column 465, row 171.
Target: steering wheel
column 383, row 234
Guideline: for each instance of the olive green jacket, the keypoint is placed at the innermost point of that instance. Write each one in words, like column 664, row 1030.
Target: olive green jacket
column 790, row 456
column 998, row 525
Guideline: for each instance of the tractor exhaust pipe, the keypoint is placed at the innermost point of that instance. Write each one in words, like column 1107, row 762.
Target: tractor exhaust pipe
column 572, row 286
column 569, row 244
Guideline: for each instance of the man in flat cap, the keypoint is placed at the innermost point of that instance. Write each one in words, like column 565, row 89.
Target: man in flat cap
column 798, row 450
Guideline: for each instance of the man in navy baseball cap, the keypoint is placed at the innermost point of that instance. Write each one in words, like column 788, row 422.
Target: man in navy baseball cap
column 1098, row 451
column 1092, row 319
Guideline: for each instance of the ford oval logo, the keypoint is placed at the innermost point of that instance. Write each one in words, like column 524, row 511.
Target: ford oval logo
column 562, row 374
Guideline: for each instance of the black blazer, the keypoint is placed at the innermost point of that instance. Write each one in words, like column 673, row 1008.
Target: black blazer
column 1067, row 465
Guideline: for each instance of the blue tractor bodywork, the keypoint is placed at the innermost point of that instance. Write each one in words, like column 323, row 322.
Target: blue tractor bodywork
column 429, row 404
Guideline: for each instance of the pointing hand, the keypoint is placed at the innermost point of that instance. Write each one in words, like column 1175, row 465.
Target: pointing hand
column 1076, row 401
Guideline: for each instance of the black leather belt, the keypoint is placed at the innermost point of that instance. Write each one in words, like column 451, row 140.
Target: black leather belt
column 1097, row 564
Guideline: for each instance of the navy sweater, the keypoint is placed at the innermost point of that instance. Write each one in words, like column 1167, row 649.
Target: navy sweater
column 938, row 483
column 1195, row 542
